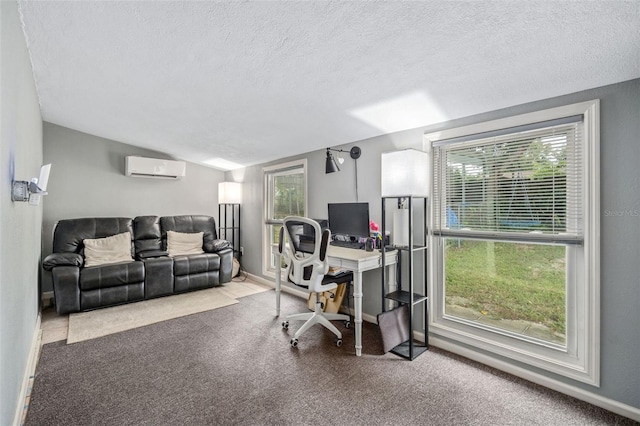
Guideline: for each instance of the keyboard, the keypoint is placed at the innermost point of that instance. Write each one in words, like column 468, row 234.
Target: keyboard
column 348, row 244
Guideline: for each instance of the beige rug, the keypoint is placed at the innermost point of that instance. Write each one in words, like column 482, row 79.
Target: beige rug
column 101, row 322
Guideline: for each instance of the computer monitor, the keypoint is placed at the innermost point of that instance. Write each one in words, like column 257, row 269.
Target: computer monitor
column 350, row 219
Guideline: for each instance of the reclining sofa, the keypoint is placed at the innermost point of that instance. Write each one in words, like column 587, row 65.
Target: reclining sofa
column 153, row 270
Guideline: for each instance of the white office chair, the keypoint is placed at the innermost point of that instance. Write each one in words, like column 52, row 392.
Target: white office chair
column 304, row 250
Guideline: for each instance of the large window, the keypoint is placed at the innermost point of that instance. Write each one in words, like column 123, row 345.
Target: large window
column 514, row 238
column 285, row 194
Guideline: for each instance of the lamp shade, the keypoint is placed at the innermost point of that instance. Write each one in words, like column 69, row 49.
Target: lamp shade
column 229, row 193
column 330, row 164
column 405, row 173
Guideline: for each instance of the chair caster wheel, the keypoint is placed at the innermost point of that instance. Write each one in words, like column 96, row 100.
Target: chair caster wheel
column 293, row 342
column 285, row 325
column 339, row 342
column 347, row 324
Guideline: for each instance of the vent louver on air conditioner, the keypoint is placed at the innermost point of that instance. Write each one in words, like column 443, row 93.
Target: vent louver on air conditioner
column 154, row 168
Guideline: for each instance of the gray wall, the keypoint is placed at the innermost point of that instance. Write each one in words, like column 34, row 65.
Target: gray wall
column 620, row 192
column 88, row 180
column 20, row 223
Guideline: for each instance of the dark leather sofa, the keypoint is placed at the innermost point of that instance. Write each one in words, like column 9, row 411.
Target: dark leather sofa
column 151, row 274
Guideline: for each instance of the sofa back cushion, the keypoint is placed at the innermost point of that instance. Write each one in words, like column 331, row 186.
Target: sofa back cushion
column 190, row 225
column 147, row 235
column 69, row 234
column 102, row 251
column 181, row 243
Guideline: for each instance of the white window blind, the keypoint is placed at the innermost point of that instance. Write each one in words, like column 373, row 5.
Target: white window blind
column 522, row 184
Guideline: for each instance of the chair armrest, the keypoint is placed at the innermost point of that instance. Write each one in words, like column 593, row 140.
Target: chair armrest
column 152, row 253
column 219, row 245
column 62, row 259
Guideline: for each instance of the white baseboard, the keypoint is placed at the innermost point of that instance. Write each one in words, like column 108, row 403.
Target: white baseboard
column 29, row 372
column 261, row 280
column 567, row 389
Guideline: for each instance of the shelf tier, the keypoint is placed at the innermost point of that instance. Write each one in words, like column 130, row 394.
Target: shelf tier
column 404, row 350
column 405, row 297
column 416, row 247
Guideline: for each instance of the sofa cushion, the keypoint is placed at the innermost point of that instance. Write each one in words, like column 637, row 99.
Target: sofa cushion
column 113, row 275
column 92, row 299
column 192, row 282
column 195, row 264
column 190, row 224
column 180, row 243
column 102, row 251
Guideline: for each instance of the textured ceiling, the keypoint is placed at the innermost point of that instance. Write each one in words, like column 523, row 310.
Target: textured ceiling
column 250, row 82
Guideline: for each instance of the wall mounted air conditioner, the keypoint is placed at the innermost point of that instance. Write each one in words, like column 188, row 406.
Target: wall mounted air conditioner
column 154, row 168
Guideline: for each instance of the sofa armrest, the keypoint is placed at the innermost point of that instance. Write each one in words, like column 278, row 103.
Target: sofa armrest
column 226, row 265
column 66, row 289
column 62, row 259
column 218, row 245
column 148, row 254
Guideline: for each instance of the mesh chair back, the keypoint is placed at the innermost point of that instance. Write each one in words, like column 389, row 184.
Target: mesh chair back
column 304, row 249
column 302, row 236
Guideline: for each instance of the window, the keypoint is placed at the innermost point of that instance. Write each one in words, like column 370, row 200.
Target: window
column 514, row 219
column 285, row 194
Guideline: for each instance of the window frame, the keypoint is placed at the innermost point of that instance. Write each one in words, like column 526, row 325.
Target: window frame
column 268, row 207
column 580, row 360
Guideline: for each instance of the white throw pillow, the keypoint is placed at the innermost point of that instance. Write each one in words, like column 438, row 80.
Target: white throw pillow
column 113, row 249
column 179, row 243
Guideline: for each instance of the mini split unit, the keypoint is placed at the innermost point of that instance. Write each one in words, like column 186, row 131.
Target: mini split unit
column 154, row 168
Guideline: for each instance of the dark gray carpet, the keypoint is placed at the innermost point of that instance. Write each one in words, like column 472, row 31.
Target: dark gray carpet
column 234, row 365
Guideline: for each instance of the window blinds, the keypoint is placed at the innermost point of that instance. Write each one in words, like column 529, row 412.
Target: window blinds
column 523, row 183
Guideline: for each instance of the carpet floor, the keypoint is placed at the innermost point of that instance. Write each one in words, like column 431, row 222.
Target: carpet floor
column 234, row 365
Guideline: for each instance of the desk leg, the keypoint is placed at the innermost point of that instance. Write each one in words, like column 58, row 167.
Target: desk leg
column 278, row 280
column 357, row 302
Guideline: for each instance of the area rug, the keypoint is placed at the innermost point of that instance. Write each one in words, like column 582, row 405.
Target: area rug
column 102, row 322
column 244, row 286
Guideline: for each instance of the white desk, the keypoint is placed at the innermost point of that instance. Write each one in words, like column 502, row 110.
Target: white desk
column 356, row 261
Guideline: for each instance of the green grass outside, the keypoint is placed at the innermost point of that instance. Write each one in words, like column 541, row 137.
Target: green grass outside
column 508, row 281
